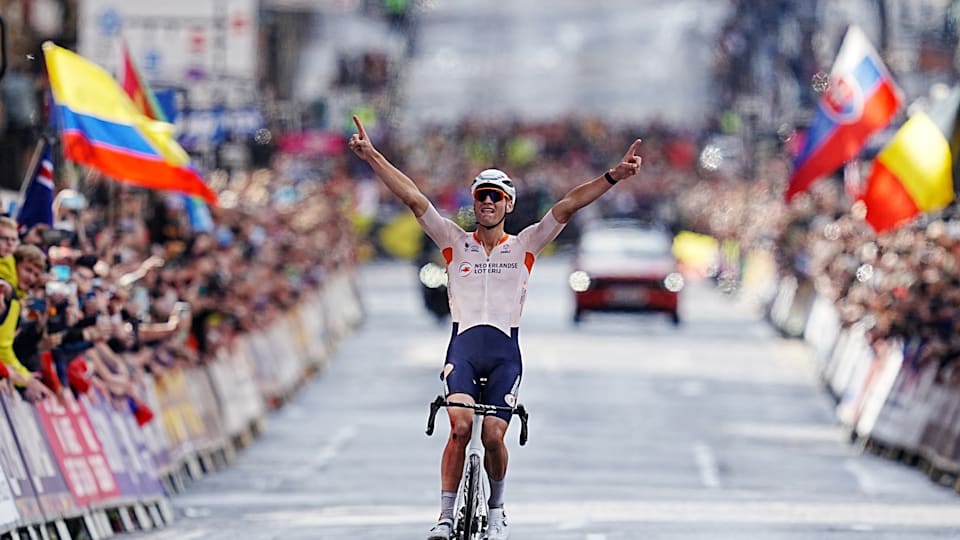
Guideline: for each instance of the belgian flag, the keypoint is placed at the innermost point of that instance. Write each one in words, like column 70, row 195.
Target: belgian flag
column 914, row 173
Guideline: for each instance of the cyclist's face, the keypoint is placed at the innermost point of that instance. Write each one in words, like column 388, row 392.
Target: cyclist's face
column 490, row 205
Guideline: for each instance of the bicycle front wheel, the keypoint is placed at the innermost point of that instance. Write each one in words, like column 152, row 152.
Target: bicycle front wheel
column 472, row 526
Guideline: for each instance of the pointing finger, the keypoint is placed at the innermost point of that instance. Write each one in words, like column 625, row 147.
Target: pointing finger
column 632, row 151
column 363, row 133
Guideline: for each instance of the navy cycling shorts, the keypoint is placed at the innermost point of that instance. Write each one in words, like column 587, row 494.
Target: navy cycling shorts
column 484, row 351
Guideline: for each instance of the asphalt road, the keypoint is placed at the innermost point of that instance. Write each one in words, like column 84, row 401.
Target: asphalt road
column 717, row 429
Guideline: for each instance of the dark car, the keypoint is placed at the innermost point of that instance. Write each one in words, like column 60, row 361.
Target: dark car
column 433, row 279
column 625, row 266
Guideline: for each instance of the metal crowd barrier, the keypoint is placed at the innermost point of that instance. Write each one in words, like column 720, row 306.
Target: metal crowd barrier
column 85, row 468
column 892, row 404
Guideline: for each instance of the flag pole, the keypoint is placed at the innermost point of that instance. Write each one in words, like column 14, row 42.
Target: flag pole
column 28, row 177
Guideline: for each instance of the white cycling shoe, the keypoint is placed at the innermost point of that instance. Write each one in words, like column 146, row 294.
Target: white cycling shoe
column 443, row 530
column 497, row 528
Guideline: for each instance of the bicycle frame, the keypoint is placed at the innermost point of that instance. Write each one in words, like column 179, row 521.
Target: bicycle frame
column 471, row 514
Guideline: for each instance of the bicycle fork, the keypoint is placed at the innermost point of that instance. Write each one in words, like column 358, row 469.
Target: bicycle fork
column 473, row 500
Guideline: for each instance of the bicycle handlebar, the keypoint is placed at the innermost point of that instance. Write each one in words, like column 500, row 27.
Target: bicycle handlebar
column 485, row 410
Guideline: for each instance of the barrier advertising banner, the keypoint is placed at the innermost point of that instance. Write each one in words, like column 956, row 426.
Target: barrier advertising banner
column 201, row 394
column 78, row 450
column 154, row 434
column 8, row 505
column 98, row 409
column 180, row 418
column 233, row 379
column 135, row 440
column 49, row 485
column 16, row 477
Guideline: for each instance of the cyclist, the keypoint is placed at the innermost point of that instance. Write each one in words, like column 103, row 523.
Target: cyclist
column 487, row 286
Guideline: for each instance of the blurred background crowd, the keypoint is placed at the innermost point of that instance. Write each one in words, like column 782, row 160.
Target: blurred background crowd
column 124, row 285
column 147, row 282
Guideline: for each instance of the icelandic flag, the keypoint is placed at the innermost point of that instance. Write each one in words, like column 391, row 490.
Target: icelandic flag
column 37, row 204
column 862, row 99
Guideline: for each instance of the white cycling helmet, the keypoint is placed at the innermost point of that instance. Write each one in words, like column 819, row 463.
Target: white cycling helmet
column 497, row 179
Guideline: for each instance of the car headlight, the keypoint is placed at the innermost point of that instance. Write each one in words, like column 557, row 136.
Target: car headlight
column 673, row 282
column 579, row 281
column 433, row 275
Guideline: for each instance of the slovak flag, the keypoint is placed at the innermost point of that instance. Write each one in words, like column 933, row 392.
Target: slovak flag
column 37, row 204
column 862, row 99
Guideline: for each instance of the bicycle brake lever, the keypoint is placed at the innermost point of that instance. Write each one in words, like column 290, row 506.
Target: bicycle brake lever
column 434, row 407
column 522, row 413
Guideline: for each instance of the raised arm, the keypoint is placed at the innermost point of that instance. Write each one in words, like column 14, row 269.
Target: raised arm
column 589, row 191
column 400, row 184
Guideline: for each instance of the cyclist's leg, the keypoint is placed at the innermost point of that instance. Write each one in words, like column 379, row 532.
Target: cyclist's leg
column 459, row 381
column 495, row 455
column 459, row 385
column 495, row 462
column 461, row 422
column 503, row 386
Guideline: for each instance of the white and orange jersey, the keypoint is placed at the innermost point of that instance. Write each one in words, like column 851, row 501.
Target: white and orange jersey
column 488, row 289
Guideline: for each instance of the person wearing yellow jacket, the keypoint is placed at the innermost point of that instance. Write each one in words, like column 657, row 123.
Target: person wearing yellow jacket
column 18, row 271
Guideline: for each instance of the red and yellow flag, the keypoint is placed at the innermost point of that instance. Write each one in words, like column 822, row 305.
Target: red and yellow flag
column 137, row 88
column 914, row 172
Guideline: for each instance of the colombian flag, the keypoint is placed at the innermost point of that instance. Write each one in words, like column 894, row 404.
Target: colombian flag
column 102, row 128
column 914, row 172
column 146, row 102
column 861, row 99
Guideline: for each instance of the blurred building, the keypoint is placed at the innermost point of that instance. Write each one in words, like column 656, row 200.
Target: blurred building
column 770, row 51
column 233, row 75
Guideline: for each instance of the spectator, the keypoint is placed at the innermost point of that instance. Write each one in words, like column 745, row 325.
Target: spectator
column 29, row 264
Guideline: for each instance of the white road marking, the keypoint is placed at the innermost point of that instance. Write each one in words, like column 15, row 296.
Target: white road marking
column 835, row 513
column 863, row 477
column 596, row 537
column 174, row 534
column 789, row 432
column 332, row 448
column 573, row 525
column 706, row 465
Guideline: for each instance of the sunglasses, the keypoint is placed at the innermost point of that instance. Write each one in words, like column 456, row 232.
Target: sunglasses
column 495, row 195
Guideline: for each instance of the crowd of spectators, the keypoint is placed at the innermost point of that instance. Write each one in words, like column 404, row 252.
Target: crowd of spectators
column 904, row 284
column 126, row 283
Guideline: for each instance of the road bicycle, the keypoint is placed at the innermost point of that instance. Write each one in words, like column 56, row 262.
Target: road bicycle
column 471, row 515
